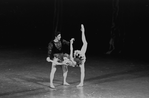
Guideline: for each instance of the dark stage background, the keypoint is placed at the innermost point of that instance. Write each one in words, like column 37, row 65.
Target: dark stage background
column 30, row 23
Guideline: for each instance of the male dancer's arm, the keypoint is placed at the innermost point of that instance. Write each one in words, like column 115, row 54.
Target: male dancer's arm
column 50, row 47
column 65, row 42
column 50, row 57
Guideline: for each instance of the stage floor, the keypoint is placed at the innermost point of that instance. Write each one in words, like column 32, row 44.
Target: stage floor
column 24, row 73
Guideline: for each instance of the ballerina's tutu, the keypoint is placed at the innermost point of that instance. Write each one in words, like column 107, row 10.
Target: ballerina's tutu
column 65, row 59
column 69, row 62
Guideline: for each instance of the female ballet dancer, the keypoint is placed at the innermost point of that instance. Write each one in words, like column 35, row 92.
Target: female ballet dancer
column 79, row 57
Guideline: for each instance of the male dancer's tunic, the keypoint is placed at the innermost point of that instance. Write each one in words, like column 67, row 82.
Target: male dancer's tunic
column 56, row 49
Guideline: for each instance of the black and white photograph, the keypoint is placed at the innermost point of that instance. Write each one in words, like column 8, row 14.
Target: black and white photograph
column 74, row 49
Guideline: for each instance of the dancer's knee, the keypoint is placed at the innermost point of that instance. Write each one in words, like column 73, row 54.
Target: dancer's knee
column 65, row 68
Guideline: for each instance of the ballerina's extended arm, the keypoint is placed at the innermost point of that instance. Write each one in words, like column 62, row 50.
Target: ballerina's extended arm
column 71, row 48
column 71, row 51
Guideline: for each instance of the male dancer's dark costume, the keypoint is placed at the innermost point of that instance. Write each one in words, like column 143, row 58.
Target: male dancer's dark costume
column 56, row 49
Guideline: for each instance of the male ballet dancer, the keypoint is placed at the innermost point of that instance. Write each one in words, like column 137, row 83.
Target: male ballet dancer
column 56, row 56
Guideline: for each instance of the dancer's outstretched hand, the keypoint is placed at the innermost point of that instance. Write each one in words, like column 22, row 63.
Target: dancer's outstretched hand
column 82, row 28
column 72, row 39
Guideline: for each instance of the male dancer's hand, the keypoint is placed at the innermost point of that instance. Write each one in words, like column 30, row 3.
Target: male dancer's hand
column 48, row 59
column 55, row 61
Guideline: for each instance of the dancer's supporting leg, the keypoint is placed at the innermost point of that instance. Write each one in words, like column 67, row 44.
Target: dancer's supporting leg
column 65, row 71
column 53, row 70
column 82, row 69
